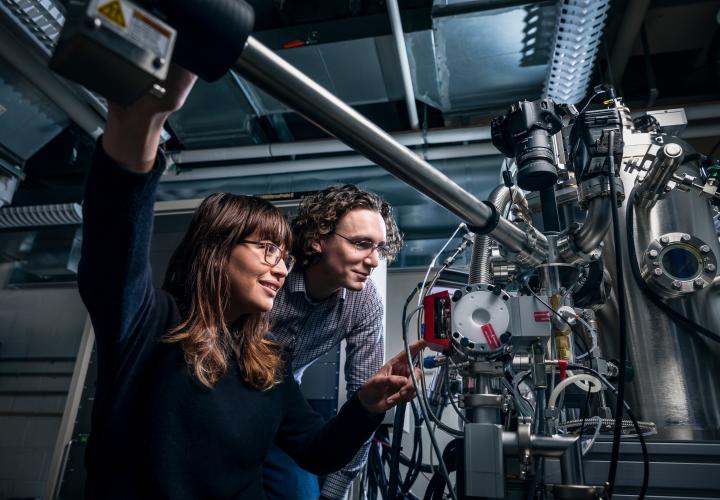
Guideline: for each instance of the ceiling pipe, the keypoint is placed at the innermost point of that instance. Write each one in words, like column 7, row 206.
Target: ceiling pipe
column 481, row 149
column 318, row 164
column 323, row 146
column 33, row 68
column 277, row 77
column 398, row 34
column 632, row 21
column 432, row 137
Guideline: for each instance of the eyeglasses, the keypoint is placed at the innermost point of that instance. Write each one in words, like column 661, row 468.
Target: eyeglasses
column 368, row 247
column 273, row 254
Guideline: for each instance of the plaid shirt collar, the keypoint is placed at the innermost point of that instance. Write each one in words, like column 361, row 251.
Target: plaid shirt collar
column 295, row 283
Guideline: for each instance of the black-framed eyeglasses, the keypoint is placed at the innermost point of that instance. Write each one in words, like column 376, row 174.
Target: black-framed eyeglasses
column 273, row 254
column 368, row 246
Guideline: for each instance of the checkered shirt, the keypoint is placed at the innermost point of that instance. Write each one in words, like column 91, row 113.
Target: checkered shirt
column 311, row 329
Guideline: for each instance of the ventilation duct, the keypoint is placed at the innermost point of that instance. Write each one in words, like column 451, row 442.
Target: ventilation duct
column 578, row 36
column 41, row 215
column 42, row 20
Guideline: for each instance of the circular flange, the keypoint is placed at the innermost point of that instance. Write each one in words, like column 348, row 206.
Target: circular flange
column 678, row 264
column 482, row 311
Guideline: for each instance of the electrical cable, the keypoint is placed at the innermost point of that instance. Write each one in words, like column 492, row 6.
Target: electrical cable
column 680, row 319
column 591, row 99
column 615, row 453
column 587, row 412
column 416, row 465
column 591, row 442
column 432, row 262
column 425, row 410
column 395, row 450
column 423, row 394
column 422, row 391
column 636, row 425
column 594, row 386
column 521, row 405
column 448, row 459
column 450, row 397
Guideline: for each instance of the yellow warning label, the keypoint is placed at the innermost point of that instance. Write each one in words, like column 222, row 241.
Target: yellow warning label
column 113, row 11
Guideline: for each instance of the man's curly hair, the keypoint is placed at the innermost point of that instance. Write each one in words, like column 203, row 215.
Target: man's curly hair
column 319, row 214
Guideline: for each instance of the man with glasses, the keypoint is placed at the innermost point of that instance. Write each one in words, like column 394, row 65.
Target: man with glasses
column 341, row 234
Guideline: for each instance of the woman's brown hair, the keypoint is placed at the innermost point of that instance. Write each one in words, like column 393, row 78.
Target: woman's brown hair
column 198, row 280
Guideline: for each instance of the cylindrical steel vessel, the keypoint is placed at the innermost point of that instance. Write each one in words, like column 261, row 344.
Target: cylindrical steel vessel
column 677, row 372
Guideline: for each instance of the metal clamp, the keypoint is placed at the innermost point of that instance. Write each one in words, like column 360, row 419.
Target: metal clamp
column 535, row 245
column 599, row 186
column 570, row 253
column 482, row 400
column 524, row 438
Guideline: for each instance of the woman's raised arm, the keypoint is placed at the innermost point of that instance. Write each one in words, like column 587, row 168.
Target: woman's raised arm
column 114, row 274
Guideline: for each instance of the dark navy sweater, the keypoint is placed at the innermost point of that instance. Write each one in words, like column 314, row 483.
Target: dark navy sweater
column 157, row 432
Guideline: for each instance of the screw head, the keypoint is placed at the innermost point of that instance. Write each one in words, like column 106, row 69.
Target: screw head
column 653, row 253
column 157, row 91
column 677, row 284
column 705, row 249
column 685, row 237
column 710, row 268
column 658, row 272
column 664, row 240
column 158, row 62
column 699, row 283
column 672, row 149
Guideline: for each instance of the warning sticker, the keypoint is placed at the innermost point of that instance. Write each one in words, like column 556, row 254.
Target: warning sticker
column 113, row 11
column 136, row 25
column 150, row 33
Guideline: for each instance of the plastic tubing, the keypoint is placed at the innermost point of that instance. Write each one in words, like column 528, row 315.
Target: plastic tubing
column 594, row 386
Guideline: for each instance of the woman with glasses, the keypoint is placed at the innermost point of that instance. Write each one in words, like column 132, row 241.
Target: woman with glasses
column 191, row 390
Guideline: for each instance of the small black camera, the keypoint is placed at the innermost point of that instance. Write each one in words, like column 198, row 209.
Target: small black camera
column 525, row 133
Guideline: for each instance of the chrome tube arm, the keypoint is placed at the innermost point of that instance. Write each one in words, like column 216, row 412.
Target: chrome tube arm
column 271, row 73
column 596, row 226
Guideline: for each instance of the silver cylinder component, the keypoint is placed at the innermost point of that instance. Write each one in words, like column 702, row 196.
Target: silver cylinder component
column 271, row 73
column 588, row 238
column 675, row 367
column 582, row 243
column 654, row 185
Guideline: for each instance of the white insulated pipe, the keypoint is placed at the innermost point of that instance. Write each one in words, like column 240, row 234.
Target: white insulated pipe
column 399, row 36
column 323, row 146
column 317, row 164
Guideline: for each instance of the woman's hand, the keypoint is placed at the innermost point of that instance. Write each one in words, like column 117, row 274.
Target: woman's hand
column 391, row 384
column 132, row 134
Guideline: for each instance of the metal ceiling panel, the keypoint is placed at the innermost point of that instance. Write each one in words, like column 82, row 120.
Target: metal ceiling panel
column 216, row 115
column 358, row 71
column 483, row 60
column 28, row 119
